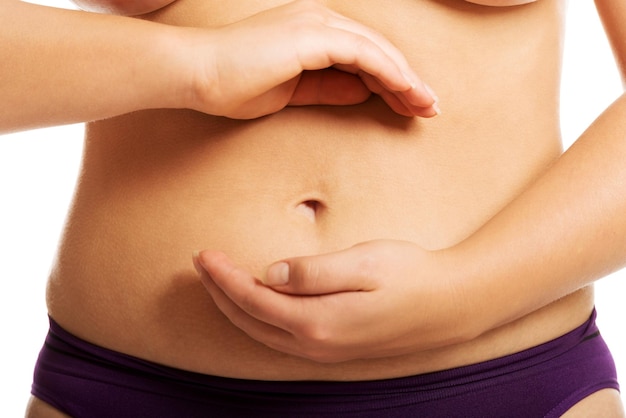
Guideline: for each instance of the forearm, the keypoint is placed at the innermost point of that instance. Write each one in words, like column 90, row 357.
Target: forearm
column 613, row 14
column 79, row 66
column 63, row 66
column 564, row 232
column 569, row 228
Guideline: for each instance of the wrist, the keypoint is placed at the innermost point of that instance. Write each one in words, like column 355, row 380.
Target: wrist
column 192, row 77
column 498, row 283
column 166, row 71
column 465, row 294
column 494, row 287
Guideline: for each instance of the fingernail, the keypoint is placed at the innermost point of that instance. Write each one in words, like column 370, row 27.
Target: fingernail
column 277, row 275
column 431, row 92
column 411, row 82
column 196, row 261
column 436, row 108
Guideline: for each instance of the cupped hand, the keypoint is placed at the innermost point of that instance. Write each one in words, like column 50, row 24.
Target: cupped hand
column 301, row 53
column 376, row 299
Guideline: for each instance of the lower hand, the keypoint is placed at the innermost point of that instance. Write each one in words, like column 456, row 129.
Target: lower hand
column 376, row 299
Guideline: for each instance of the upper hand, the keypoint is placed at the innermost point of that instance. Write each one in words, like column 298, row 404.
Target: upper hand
column 376, row 299
column 301, row 53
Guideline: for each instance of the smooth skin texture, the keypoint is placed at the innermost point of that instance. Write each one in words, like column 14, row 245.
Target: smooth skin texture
column 122, row 7
column 543, row 264
column 192, row 68
column 65, row 272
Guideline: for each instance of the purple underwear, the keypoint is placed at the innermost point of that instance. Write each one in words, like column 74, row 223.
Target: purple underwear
column 84, row 380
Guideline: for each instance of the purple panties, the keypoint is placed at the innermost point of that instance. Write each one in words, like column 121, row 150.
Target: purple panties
column 85, row 380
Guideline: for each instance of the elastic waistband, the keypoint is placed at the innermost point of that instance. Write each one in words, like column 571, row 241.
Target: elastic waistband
column 85, row 380
column 61, row 340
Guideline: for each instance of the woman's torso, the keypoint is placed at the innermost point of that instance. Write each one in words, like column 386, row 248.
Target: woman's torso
column 157, row 185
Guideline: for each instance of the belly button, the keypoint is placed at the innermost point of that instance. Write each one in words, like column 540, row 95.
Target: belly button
column 310, row 208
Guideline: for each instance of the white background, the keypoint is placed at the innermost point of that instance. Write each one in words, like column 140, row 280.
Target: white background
column 38, row 171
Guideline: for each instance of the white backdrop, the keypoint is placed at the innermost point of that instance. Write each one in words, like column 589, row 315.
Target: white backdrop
column 38, row 170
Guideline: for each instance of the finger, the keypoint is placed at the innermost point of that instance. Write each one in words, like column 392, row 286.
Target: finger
column 238, row 284
column 223, row 279
column 343, row 271
column 297, row 325
column 222, row 270
column 329, row 87
column 399, row 102
column 420, row 94
column 336, row 46
column 272, row 336
column 333, row 87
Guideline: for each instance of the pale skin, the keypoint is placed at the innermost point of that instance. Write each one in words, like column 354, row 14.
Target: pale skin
column 591, row 174
column 122, row 7
column 185, row 64
column 300, row 305
column 378, row 247
column 391, row 77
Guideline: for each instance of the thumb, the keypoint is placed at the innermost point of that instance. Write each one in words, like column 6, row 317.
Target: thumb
column 343, row 271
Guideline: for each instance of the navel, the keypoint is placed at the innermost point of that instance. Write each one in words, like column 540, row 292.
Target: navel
column 310, row 208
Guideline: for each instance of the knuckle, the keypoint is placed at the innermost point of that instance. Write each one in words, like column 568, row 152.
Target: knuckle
column 363, row 46
column 367, row 265
column 246, row 299
column 319, row 344
column 316, row 334
column 312, row 275
column 249, row 302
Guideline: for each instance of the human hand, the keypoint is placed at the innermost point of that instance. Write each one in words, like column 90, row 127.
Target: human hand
column 301, row 53
column 376, row 299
